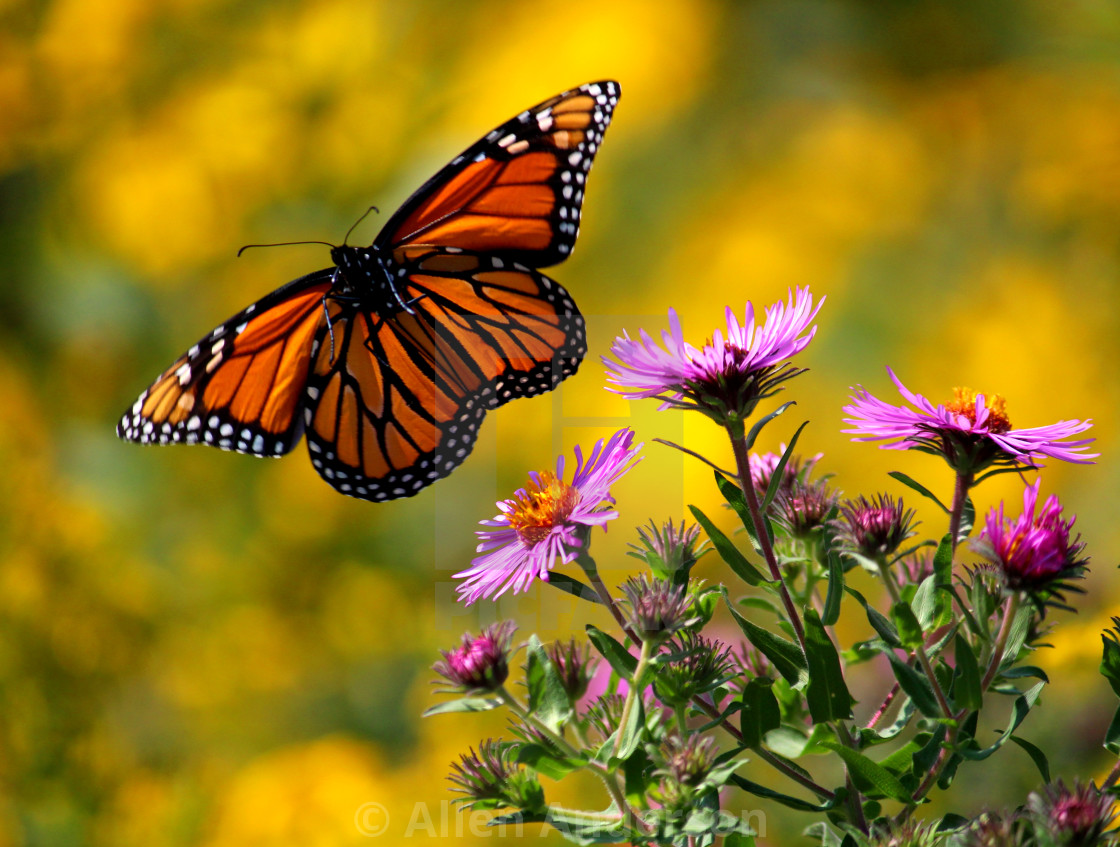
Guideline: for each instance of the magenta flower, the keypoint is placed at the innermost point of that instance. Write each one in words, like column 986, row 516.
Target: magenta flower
column 1033, row 552
column 479, row 664
column 547, row 520
column 727, row 376
column 875, row 528
column 971, row 432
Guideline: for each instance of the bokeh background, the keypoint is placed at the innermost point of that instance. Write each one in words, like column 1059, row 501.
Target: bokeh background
column 199, row 648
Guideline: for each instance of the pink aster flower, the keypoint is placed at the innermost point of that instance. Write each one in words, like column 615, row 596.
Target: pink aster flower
column 728, row 375
column 478, row 663
column 971, row 432
column 547, row 520
column 1033, row 552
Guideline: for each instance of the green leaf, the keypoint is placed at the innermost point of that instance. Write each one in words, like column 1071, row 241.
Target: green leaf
column 871, row 778
column 735, row 498
column 901, row 761
column 917, row 486
column 1020, row 628
column 877, row 620
column 1023, row 671
column 573, row 586
column 632, row 732
column 968, row 519
column 784, row 799
column 915, row 685
column 545, row 761
column 752, row 436
column 616, row 655
column 831, row 612
column 943, row 562
column 463, row 704
column 966, row 692
column 1019, row 710
column 906, row 622
column 638, row 775
column 932, row 605
column 728, row 551
column 760, row 712
column 1110, row 657
column 785, row 655
column 1112, row 735
column 779, row 469
column 1037, row 756
column 548, row 699
column 827, row 694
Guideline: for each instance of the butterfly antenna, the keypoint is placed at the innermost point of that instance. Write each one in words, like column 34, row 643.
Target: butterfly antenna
column 358, row 221
column 284, row 244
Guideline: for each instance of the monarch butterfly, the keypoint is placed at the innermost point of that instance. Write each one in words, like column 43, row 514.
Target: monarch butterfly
column 389, row 360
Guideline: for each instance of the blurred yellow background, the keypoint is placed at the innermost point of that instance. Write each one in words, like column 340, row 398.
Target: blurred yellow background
column 199, row 648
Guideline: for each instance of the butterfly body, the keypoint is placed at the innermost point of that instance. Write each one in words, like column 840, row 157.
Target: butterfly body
column 388, row 361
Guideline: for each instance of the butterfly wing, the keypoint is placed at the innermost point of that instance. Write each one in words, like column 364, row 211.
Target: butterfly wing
column 241, row 387
column 398, row 402
column 517, row 192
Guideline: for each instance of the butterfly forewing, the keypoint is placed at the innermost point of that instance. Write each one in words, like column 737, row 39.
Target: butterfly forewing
column 400, row 405
column 518, row 191
column 241, row 386
column 389, row 361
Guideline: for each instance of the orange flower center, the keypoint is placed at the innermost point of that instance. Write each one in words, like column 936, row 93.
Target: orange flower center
column 964, row 403
column 542, row 506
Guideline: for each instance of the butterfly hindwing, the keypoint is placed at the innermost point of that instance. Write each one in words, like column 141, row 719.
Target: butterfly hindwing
column 518, row 191
column 239, row 388
column 399, row 402
column 389, row 361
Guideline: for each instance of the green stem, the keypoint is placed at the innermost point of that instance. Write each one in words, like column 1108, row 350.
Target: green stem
column 960, row 496
column 855, row 799
column 764, row 754
column 592, row 571
column 919, row 649
column 609, row 780
column 742, row 463
column 632, row 695
column 1010, row 610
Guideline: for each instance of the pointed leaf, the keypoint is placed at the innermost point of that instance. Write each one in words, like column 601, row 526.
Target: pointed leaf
column 827, row 694
column 915, row 685
column 871, row 778
column 752, row 436
column 968, row 519
column 1037, row 756
column 1112, row 735
column 548, row 699
column 906, row 622
column 917, row 486
column 784, row 799
column 728, row 551
column 785, row 655
column 831, row 612
column 619, row 658
column 877, row 620
column 943, row 562
column 779, row 469
column 966, row 692
column 463, row 704
column 1019, row 710
column 1110, row 657
column 760, row 712
column 573, row 586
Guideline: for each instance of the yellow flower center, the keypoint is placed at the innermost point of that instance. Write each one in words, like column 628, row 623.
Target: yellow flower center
column 542, row 506
column 964, row 403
